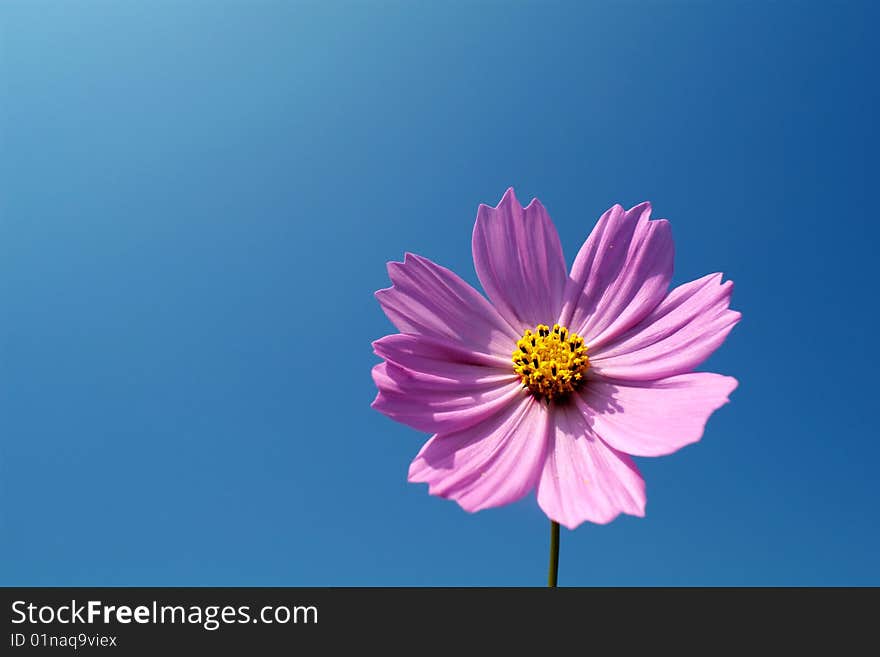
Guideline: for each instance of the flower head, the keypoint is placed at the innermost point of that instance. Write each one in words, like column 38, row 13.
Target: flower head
column 555, row 380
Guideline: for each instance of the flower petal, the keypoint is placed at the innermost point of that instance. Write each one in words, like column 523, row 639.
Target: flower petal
column 585, row 479
column 620, row 274
column 432, row 385
column 435, row 355
column 427, row 299
column 411, row 398
column 653, row 418
column 675, row 337
column 492, row 463
column 519, row 260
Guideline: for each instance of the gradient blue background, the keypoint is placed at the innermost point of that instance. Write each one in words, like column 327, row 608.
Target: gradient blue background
column 198, row 200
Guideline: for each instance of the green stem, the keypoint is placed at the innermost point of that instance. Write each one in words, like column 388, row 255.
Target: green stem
column 554, row 554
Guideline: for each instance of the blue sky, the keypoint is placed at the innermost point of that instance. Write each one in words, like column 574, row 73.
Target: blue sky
column 197, row 201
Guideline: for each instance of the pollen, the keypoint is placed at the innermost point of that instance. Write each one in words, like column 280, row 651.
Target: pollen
column 551, row 361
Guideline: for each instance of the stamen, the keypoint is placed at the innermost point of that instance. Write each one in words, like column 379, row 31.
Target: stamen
column 551, row 363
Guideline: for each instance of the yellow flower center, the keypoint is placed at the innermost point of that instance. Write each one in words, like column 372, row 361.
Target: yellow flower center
column 551, row 362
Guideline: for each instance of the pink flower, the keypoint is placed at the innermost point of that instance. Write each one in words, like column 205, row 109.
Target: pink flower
column 555, row 380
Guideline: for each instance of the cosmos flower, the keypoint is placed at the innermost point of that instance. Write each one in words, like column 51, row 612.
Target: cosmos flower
column 559, row 377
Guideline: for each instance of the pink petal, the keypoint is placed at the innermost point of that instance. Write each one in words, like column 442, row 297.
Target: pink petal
column 427, row 299
column 653, row 418
column 519, row 261
column 435, row 355
column 432, row 385
column 620, row 274
column 585, row 479
column 489, row 464
column 675, row 337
